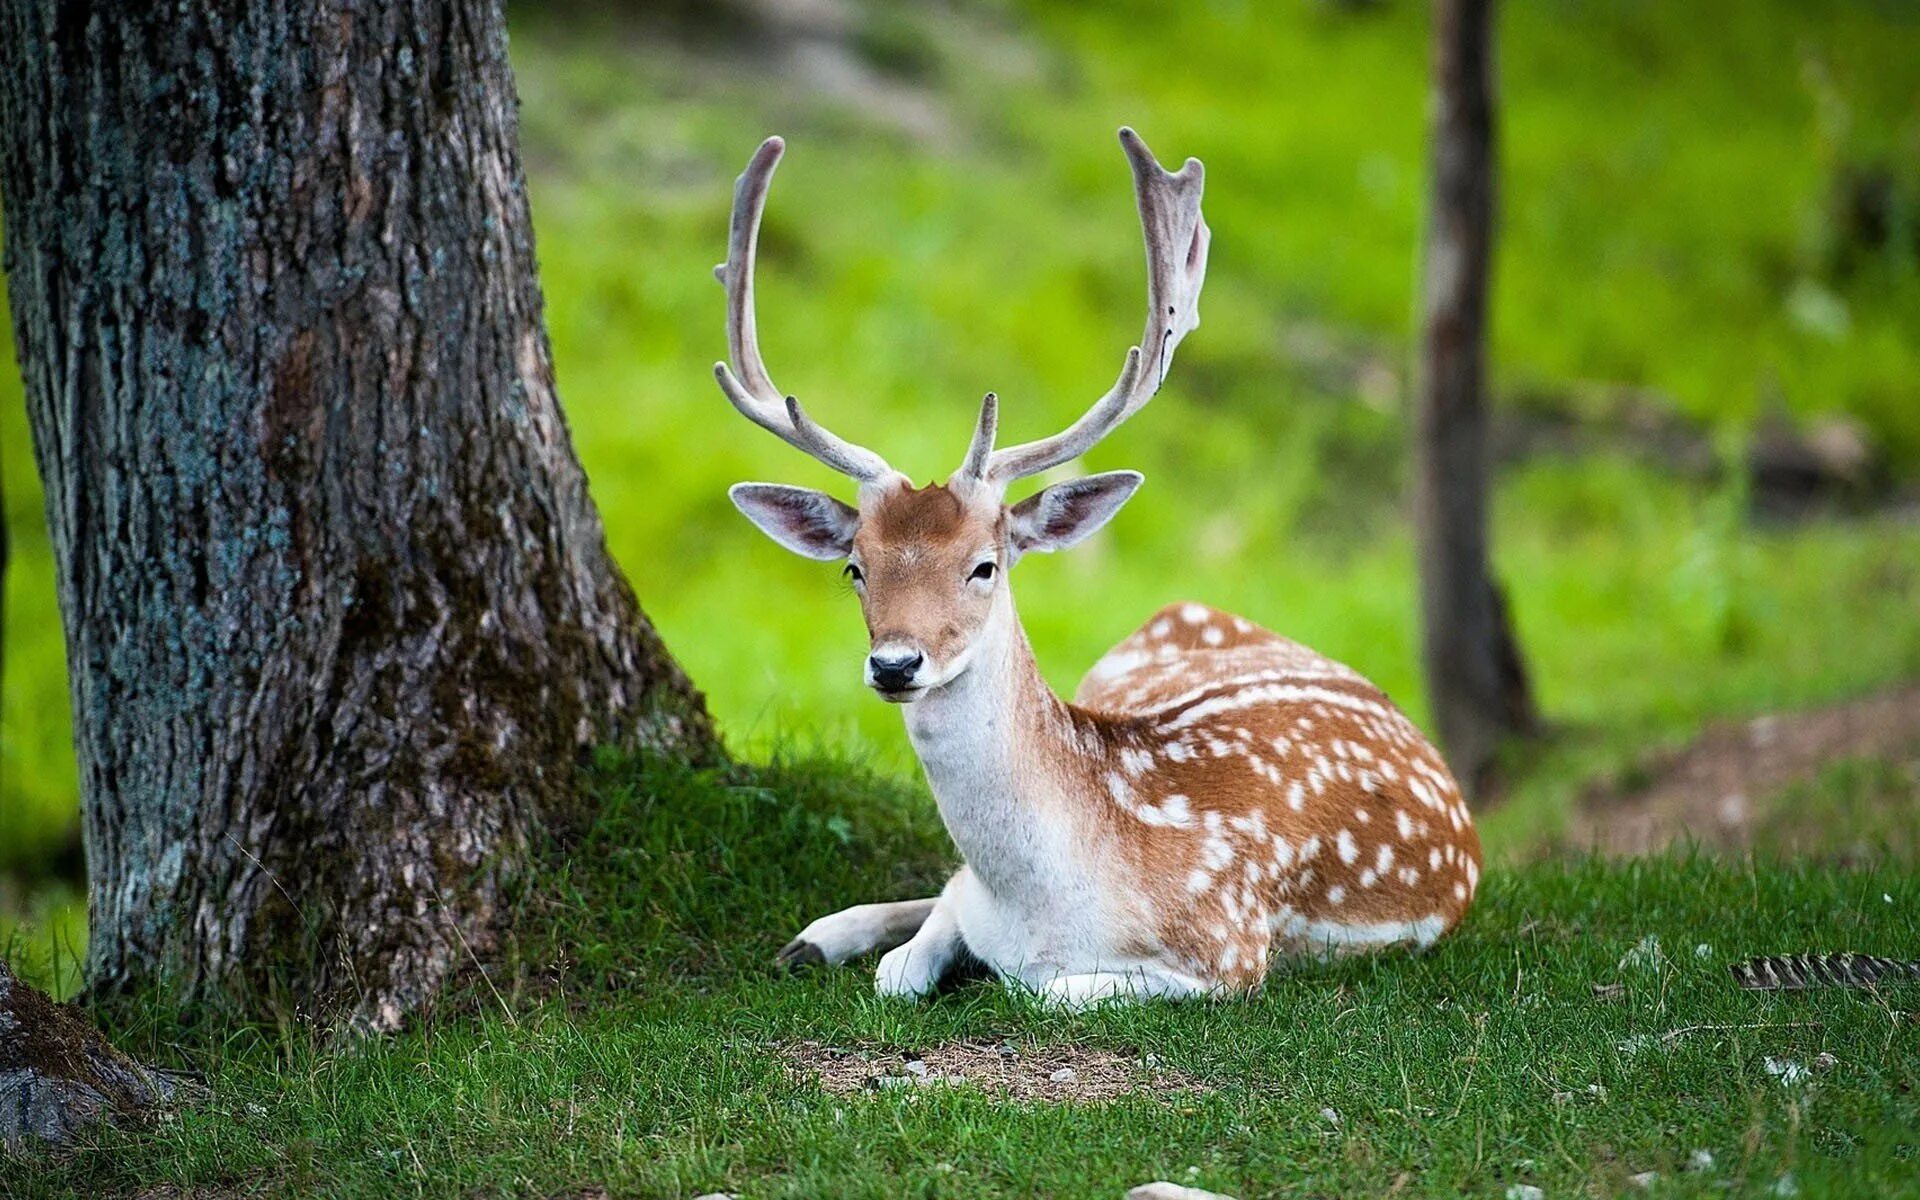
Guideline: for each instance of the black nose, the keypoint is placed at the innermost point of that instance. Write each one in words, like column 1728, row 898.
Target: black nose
column 893, row 672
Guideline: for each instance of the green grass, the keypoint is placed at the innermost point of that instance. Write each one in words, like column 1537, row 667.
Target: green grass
column 1855, row 810
column 638, row 1049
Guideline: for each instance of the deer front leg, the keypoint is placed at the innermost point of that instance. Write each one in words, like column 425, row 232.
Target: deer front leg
column 854, row 931
column 914, row 969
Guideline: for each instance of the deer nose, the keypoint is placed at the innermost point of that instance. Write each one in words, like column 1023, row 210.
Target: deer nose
column 893, row 670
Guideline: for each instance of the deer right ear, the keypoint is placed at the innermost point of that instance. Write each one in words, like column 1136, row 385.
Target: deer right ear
column 806, row 522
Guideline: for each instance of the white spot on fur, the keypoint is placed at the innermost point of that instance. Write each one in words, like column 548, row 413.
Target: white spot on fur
column 1348, row 848
column 1170, row 811
column 1422, row 792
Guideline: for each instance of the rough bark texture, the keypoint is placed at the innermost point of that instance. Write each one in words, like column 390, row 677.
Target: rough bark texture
column 339, row 611
column 1475, row 676
column 58, row 1075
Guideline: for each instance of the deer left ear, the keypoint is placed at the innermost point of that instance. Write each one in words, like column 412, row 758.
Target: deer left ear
column 1069, row 512
column 806, row 522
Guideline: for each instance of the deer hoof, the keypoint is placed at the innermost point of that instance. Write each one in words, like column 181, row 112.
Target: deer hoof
column 798, row 955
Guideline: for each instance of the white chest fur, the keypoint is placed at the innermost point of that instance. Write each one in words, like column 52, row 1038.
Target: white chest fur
column 1033, row 900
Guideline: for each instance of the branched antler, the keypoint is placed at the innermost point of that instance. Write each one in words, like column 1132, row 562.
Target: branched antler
column 747, row 384
column 1177, row 238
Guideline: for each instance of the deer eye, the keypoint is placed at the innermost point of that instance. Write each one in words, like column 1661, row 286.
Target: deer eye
column 853, row 573
column 984, row 571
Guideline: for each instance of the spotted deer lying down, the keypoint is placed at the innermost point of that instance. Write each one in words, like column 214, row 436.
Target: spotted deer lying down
column 1215, row 795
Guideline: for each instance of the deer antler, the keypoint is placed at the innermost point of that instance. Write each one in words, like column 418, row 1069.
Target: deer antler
column 752, row 391
column 1177, row 238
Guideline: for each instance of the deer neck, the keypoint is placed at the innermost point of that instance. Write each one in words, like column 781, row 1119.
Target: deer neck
column 996, row 745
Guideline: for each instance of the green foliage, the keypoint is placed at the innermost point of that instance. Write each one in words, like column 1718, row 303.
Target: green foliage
column 637, row 1047
column 964, row 223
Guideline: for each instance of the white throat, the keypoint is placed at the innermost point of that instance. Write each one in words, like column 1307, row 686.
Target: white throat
column 982, row 739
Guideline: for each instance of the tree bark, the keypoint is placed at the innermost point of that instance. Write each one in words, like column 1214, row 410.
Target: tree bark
column 339, row 612
column 58, row 1075
column 1475, row 677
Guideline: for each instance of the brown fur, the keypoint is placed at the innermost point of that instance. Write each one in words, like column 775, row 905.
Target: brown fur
column 915, row 549
column 1191, row 733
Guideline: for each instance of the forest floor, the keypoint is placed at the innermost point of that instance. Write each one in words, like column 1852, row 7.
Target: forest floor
column 1578, row 1032
column 1841, row 780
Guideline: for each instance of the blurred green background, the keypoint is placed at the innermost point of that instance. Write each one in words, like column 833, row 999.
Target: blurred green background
column 1711, row 230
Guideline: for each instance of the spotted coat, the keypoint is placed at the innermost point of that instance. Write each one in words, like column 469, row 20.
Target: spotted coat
column 1267, row 799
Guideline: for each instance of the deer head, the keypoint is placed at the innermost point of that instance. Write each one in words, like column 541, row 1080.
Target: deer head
column 930, row 564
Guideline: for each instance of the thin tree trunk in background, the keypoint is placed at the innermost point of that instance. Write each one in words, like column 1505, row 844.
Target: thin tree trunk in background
column 6, row 563
column 1475, row 677
column 339, row 611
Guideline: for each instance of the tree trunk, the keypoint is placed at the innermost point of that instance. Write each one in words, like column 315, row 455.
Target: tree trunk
column 1475, row 677
column 339, row 611
column 6, row 563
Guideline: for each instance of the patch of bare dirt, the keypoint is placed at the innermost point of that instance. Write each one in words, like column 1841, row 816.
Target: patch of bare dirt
column 1054, row 1073
column 1713, row 790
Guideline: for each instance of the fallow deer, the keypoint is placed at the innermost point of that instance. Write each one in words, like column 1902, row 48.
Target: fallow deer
column 1214, row 796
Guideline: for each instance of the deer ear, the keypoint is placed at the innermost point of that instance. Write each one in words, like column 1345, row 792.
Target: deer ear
column 1066, row 513
column 806, row 522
